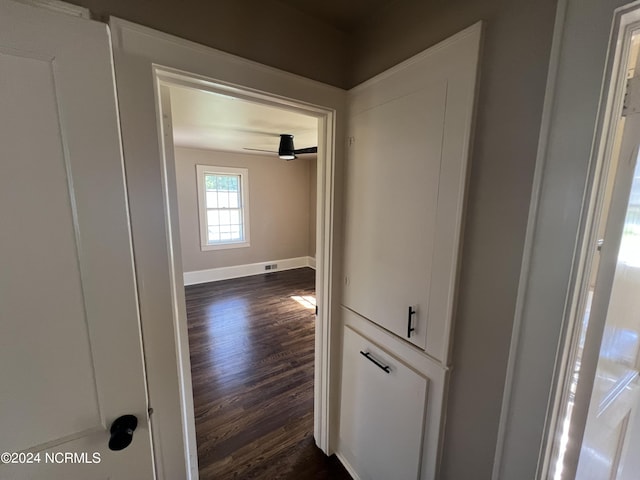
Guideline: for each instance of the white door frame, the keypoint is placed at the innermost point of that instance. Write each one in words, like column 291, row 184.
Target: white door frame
column 145, row 60
column 574, row 112
column 164, row 78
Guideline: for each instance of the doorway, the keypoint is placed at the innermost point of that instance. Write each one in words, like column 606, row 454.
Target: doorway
column 235, row 154
column 145, row 61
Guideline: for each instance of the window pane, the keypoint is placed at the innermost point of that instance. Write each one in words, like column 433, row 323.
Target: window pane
column 212, row 200
column 225, row 236
column 234, row 217
column 233, row 183
column 214, row 235
column 223, row 200
column 225, row 217
column 234, row 201
column 235, row 232
column 212, row 217
column 210, row 182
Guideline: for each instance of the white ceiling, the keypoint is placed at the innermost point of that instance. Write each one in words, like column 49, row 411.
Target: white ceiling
column 219, row 122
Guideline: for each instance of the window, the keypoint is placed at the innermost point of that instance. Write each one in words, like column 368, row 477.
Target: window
column 224, row 207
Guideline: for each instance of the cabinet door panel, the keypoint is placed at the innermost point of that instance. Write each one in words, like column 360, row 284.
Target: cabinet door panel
column 382, row 413
column 409, row 137
column 392, row 192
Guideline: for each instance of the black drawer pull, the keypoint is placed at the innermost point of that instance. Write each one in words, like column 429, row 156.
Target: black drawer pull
column 368, row 355
column 410, row 329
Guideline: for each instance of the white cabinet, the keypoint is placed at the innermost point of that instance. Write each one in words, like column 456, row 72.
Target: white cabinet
column 389, row 421
column 393, row 170
column 406, row 173
column 382, row 414
column 409, row 131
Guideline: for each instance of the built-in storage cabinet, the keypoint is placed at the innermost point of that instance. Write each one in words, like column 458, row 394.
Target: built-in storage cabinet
column 409, row 133
column 407, row 155
column 382, row 415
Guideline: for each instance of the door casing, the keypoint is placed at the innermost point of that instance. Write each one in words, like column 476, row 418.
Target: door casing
column 145, row 60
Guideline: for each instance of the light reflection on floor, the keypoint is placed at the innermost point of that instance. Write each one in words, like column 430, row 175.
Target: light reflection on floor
column 224, row 315
column 307, row 301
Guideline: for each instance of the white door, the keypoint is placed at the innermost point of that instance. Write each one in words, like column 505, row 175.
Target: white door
column 611, row 438
column 71, row 357
column 603, row 387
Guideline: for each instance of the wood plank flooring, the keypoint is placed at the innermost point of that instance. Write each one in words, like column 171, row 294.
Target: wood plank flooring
column 252, row 353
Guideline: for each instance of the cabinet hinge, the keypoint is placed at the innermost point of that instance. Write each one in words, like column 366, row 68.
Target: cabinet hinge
column 631, row 103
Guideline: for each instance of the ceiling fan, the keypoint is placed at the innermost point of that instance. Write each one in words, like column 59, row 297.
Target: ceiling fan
column 286, row 150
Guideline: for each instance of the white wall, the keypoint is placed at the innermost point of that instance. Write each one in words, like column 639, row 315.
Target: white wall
column 280, row 206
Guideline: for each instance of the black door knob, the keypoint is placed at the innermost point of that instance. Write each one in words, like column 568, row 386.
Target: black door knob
column 122, row 430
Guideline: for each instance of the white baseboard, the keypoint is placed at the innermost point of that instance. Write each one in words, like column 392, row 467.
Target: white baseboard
column 237, row 271
column 347, row 466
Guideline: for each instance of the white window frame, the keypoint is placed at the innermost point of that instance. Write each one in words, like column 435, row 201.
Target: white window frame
column 243, row 173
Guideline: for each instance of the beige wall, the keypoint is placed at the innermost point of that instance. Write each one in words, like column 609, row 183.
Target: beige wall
column 279, row 208
column 513, row 78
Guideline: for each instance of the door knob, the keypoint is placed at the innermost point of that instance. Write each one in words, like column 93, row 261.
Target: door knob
column 122, row 430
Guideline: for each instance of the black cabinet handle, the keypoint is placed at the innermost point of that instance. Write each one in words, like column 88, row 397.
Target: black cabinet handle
column 370, row 358
column 121, row 431
column 410, row 329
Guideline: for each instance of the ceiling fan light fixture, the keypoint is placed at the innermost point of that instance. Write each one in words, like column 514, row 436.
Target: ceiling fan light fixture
column 286, row 150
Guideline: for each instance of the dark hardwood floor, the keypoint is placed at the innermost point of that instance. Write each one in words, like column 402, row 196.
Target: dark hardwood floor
column 252, row 352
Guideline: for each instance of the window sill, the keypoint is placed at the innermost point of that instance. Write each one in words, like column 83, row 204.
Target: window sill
column 224, row 246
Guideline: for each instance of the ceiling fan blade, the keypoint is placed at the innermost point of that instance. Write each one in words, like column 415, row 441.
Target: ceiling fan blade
column 259, row 150
column 306, row 150
column 286, row 150
column 255, row 131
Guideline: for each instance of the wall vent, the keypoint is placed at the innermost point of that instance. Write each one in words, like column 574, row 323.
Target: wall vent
column 273, row 266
